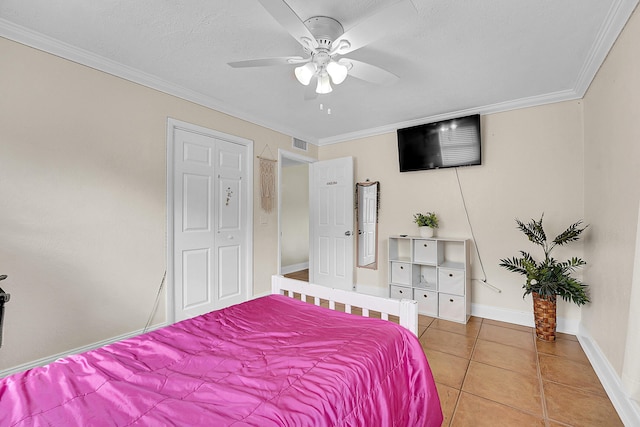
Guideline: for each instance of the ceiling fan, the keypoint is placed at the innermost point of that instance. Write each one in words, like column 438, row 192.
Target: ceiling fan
column 325, row 41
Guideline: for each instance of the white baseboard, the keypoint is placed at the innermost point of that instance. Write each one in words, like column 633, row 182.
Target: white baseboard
column 260, row 295
column 502, row 314
column 627, row 408
column 286, row 269
column 524, row 318
column 50, row 359
column 373, row 290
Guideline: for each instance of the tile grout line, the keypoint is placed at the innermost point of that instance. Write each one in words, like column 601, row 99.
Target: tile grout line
column 455, row 406
column 538, row 373
column 475, row 343
column 539, row 351
column 545, row 413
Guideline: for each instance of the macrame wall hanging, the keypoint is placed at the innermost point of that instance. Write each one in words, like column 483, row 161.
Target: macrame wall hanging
column 267, row 180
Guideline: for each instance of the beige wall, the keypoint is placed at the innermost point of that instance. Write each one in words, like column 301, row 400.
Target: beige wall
column 612, row 191
column 295, row 215
column 82, row 190
column 83, row 196
column 532, row 163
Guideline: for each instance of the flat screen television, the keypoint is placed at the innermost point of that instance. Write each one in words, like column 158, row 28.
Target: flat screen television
column 443, row 144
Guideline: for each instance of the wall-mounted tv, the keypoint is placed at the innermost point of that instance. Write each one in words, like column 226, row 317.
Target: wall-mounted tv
column 443, row 144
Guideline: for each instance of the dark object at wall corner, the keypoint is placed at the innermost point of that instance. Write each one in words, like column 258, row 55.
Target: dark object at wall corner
column 4, row 298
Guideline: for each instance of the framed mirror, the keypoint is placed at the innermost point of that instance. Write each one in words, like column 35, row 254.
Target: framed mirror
column 367, row 206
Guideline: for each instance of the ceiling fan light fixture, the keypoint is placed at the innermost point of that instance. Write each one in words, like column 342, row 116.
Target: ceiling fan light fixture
column 305, row 73
column 324, row 85
column 337, row 72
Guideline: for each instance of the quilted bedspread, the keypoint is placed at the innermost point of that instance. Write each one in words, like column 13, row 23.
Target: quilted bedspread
column 272, row 361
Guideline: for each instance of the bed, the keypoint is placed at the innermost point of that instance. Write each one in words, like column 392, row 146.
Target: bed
column 274, row 360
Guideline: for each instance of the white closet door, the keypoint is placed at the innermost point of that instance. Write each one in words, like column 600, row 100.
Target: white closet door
column 209, row 213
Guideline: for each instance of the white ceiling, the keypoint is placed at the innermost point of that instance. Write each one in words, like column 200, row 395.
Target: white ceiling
column 453, row 57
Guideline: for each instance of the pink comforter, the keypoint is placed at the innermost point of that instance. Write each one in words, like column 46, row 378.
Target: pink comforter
column 270, row 361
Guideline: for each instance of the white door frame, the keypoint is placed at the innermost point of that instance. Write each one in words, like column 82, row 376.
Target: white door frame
column 172, row 125
column 284, row 154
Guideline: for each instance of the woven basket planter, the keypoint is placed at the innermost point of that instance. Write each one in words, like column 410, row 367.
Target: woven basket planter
column 544, row 314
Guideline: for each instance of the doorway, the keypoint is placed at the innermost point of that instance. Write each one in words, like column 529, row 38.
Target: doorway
column 315, row 219
column 293, row 214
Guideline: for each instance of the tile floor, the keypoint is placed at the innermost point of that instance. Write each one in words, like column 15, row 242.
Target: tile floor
column 491, row 373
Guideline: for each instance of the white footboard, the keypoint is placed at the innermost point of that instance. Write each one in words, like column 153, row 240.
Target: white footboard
column 406, row 310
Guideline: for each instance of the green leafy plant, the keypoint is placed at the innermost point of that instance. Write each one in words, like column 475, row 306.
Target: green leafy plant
column 549, row 277
column 426, row 220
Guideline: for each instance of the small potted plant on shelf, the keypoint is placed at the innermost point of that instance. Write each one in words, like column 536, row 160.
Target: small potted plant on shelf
column 427, row 223
column 548, row 278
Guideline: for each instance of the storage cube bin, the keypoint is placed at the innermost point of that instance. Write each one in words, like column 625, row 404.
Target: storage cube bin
column 401, row 273
column 400, row 292
column 427, row 302
column 451, row 281
column 425, row 251
column 451, row 307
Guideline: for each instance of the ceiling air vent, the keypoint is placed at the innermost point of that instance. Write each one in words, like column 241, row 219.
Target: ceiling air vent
column 300, row 144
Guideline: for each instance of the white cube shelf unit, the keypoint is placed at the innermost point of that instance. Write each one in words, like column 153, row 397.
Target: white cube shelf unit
column 433, row 271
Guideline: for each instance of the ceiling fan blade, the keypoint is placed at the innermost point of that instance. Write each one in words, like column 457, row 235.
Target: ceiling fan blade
column 282, row 13
column 266, row 62
column 374, row 26
column 369, row 73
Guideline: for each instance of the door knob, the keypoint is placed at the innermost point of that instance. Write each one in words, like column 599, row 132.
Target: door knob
column 347, row 233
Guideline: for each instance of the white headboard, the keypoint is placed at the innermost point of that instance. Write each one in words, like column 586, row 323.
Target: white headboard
column 406, row 310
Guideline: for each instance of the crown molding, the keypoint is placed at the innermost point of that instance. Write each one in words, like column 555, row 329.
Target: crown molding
column 615, row 21
column 532, row 101
column 39, row 41
column 611, row 28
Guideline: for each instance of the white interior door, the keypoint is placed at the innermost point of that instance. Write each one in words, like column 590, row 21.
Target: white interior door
column 331, row 223
column 210, row 239
column 367, row 224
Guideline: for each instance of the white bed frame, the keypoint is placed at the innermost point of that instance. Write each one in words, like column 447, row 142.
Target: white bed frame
column 406, row 310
